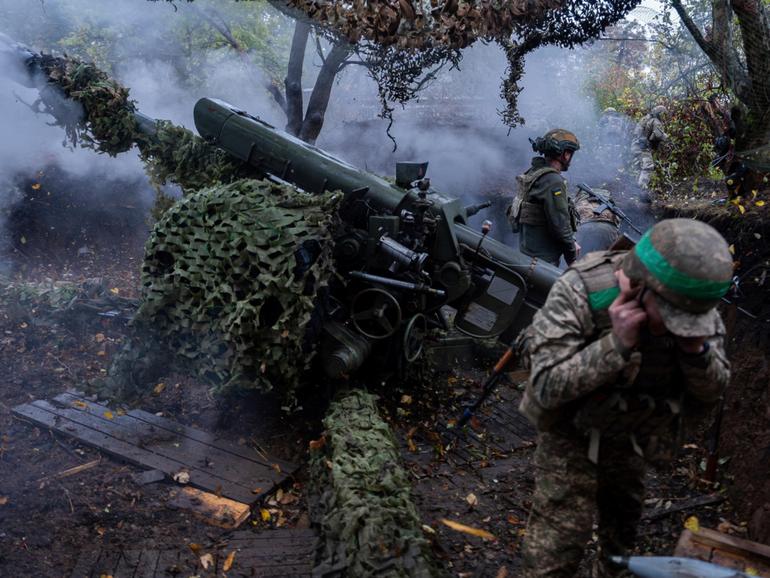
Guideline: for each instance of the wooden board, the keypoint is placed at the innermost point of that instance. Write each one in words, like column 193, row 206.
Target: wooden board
column 218, row 466
column 724, row 550
column 210, row 508
column 282, row 553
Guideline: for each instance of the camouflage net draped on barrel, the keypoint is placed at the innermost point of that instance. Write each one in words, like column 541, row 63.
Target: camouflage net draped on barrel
column 108, row 125
column 230, row 280
column 366, row 516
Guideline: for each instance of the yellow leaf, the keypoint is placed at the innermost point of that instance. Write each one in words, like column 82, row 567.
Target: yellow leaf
column 468, row 529
column 206, row 561
column 754, row 193
column 36, row 187
column 158, row 389
column 472, row 500
column 742, row 209
column 731, row 248
column 692, row 524
column 229, row 561
column 264, row 514
column 114, row 290
column 760, row 203
column 108, row 414
column 751, row 571
column 80, row 404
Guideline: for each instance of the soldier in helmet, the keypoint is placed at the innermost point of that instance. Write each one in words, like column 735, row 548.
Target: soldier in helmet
column 625, row 340
column 541, row 210
column 649, row 135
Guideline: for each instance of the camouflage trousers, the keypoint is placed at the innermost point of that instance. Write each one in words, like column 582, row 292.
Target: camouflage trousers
column 646, row 166
column 570, row 492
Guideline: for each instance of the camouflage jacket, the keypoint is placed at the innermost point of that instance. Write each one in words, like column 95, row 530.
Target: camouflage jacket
column 650, row 133
column 582, row 377
column 547, row 225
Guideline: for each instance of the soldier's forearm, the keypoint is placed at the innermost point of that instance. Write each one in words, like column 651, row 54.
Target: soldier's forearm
column 596, row 365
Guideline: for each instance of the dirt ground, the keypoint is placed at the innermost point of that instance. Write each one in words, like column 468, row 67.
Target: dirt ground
column 46, row 522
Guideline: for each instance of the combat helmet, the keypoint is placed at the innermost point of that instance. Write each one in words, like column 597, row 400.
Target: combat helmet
column 555, row 142
column 688, row 266
column 659, row 111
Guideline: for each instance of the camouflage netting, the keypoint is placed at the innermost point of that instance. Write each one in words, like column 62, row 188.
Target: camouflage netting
column 108, row 125
column 175, row 154
column 368, row 522
column 230, row 280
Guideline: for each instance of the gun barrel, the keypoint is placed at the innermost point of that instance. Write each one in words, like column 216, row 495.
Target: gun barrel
column 274, row 152
column 675, row 567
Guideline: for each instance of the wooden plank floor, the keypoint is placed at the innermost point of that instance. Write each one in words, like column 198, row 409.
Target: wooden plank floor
column 288, row 553
column 141, row 438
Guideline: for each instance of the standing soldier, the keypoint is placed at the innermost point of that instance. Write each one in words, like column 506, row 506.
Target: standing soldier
column 623, row 340
column 541, row 210
column 649, row 135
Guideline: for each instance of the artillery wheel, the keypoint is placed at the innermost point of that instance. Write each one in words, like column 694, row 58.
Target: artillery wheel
column 376, row 314
column 414, row 336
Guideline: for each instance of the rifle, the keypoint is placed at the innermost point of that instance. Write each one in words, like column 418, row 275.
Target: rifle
column 607, row 204
column 712, row 461
column 489, row 386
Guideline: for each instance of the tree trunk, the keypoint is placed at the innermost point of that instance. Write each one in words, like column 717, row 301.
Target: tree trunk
column 319, row 99
column 293, row 80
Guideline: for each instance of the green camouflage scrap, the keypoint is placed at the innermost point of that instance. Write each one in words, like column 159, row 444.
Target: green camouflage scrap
column 364, row 509
column 221, row 287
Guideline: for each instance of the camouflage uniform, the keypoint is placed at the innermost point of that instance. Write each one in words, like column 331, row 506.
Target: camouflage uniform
column 648, row 136
column 603, row 411
column 596, row 231
column 547, row 226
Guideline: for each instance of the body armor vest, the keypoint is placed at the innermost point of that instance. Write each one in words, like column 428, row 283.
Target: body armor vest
column 521, row 210
column 644, row 403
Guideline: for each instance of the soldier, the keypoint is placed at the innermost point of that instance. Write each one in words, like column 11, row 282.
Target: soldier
column 649, row 135
column 599, row 227
column 623, row 340
column 541, row 210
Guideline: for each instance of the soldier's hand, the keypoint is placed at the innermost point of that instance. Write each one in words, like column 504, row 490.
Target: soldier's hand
column 627, row 315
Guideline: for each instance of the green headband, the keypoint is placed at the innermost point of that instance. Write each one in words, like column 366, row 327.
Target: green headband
column 674, row 279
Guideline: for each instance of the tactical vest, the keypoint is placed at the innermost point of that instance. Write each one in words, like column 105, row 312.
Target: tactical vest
column 644, row 403
column 521, row 210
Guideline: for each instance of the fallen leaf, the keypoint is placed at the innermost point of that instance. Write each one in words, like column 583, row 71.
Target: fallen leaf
column 692, row 524
column 108, row 414
column 411, row 445
column 731, row 248
column 264, row 514
column 256, row 491
column 513, row 520
column 751, row 571
column 427, row 529
column 276, row 467
column 760, row 203
column 195, row 548
column 114, row 290
column 158, row 389
column 406, row 399
column 228, row 561
column 182, row 477
column 317, row 444
column 472, row 500
column 101, row 531
column 3, row 500
column 120, row 411
column 99, row 337
column 206, row 561
column 468, row 529
column 80, row 404
column 36, row 187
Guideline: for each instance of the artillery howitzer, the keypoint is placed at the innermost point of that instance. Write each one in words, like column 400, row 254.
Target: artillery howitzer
column 402, row 251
